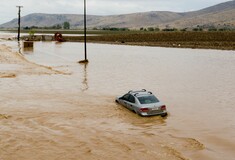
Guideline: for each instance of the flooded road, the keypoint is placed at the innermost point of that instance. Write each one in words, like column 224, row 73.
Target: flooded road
column 74, row 116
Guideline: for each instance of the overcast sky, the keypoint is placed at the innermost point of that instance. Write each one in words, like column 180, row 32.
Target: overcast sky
column 8, row 10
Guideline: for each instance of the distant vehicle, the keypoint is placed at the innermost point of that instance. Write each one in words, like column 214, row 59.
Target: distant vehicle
column 58, row 37
column 142, row 102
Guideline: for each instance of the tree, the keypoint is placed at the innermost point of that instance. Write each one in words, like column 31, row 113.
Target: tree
column 57, row 26
column 26, row 28
column 66, row 25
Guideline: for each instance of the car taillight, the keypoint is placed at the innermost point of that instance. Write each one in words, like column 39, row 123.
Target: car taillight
column 163, row 107
column 144, row 109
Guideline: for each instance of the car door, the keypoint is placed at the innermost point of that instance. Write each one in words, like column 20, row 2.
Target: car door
column 130, row 102
column 124, row 100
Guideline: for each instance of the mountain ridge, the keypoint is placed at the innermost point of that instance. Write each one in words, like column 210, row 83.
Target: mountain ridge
column 219, row 14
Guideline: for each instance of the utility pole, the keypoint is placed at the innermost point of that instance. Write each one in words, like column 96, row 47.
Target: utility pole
column 85, row 37
column 18, row 37
column 85, row 47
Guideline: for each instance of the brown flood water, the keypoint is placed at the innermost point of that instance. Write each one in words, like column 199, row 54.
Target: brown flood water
column 75, row 117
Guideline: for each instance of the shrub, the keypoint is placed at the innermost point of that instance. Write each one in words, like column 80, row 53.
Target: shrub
column 150, row 29
column 212, row 29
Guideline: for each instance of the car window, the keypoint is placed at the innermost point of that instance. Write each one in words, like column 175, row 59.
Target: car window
column 148, row 99
column 126, row 97
column 131, row 99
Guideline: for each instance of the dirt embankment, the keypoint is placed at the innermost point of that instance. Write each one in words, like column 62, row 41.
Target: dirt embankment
column 13, row 64
column 206, row 40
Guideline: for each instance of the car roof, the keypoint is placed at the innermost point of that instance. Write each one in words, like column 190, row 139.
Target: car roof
column 140, row 93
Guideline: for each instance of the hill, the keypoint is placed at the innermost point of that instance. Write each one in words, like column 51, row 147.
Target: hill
column 218, row 15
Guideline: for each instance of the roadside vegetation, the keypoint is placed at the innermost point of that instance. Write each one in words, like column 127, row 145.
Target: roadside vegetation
column 65, row 28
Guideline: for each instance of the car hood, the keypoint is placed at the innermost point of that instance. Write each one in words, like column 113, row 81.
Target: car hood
column 118, row 97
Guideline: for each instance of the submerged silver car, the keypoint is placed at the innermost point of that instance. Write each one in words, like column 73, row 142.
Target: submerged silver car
column 142, row 102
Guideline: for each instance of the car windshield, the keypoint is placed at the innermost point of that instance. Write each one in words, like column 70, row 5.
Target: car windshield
column 148, row 99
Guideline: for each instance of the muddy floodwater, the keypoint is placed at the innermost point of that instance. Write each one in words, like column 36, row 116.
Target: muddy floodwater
column 74, row 115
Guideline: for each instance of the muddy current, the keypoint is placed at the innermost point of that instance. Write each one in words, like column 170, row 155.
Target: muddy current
column 55, row 108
